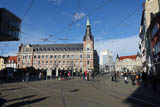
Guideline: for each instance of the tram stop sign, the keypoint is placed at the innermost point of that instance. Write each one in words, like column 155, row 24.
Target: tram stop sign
column 49, row 72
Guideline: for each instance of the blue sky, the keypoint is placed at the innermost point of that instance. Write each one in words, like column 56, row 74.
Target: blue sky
column 114, row 26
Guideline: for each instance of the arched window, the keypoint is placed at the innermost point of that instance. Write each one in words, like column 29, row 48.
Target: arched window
column 88, row 55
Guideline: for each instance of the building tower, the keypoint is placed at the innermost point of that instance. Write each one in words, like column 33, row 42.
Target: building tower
column 88, row 49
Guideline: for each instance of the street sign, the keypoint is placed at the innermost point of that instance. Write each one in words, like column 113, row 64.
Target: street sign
column 49, row 72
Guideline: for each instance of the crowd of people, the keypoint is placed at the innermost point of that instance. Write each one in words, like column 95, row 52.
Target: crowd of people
column 87, row 75
column 136, row 78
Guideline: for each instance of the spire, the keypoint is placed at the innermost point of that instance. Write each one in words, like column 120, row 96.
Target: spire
column 88, row 33
column 117, row 56
column 88, row 24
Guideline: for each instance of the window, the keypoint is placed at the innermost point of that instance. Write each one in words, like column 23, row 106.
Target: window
column 63, row 62
column 18, row 59
column 46, row 62
column 71, row 56
column 154, row 30
column 76, row 56
column 26, row 50
column 55, row 62
column 76, row 63
column 80, row 63
column 50, row 62
column 39, row 56
column 71, row 62
column 67, row 62
column 46, row 56
column 88, row 55
column 87, row 62
column 42, row 62
column 38, row 62
column 55, row 56
column 67, row 56
column 35, row 56
column 63, row 56
column 80, row 56
column 88, row 49
column 42, row 56
column 51, row 56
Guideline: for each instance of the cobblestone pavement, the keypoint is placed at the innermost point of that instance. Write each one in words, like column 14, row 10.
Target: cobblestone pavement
column 100, row 92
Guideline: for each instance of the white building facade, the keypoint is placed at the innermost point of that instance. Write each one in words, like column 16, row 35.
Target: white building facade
column 128, row 63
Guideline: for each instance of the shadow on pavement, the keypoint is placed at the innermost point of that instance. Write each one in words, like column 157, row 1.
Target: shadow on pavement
column 19, row 104
column 144, row 96
column 21, row 98
column 12, row 89
column 74, row 90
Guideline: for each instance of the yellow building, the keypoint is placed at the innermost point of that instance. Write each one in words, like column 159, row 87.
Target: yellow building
column 2, row 63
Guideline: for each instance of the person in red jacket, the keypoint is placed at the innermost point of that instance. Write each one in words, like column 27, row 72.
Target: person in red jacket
column 86, row 75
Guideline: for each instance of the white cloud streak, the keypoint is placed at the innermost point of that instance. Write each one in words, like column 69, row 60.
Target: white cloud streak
column 97, row 22
column 55, row 1
column 79, row 15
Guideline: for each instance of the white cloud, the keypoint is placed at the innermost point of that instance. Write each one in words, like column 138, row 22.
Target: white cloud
column 79, row 15
column 78, row 24
column 97, row 22
column 55, row 1
column 122, row 46
column 107, row 25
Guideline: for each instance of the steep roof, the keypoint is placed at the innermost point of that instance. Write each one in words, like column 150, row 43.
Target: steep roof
column 58, row 47
column 88, row 32
column 14, row 58
column 127, row 57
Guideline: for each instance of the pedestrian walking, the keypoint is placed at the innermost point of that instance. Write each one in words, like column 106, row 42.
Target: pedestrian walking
column 125, row 78
column 27, row 77
column 86, row 75
column 133, row 78
column 40, row 75
column 115, row 76
column 69, row 75
column 92, row 75
column 138, row 79
column 112, row 76
column 83, row 75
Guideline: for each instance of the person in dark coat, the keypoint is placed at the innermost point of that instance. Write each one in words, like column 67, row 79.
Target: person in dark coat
column 112, row 76
column 115, row 76
column 133, row 78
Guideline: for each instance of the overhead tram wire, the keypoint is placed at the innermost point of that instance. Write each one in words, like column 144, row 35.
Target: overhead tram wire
column 28, row 9
column 123, row 20
column 92, row 11
column 73, row 19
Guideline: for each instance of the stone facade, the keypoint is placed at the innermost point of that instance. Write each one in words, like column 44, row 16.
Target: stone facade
column 2, row 63
column 124, row 63
column 74, row 57
column 150, row 7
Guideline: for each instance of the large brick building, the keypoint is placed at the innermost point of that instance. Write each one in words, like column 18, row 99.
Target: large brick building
column 73, row 57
